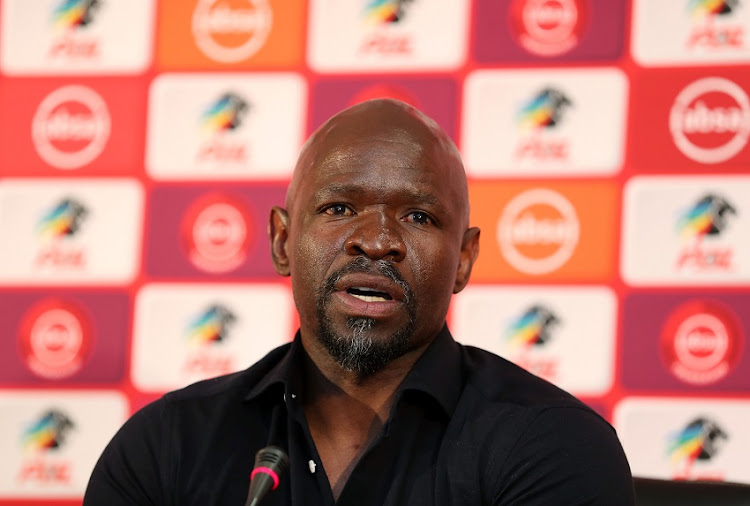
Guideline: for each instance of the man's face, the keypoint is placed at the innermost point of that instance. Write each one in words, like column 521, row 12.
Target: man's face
column 376, row 226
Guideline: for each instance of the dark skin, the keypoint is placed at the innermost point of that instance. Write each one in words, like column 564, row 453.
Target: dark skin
column 383, row 182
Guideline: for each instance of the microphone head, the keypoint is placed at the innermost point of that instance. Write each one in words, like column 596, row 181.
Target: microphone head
column 270, row 463
column 272, row 458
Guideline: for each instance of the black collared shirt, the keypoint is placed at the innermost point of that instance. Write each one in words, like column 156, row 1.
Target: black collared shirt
column 467, row 428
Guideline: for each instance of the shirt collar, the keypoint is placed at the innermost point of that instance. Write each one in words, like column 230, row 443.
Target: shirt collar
column 437, row 373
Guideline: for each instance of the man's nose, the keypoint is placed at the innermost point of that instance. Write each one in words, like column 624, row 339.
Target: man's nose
column 376, row 236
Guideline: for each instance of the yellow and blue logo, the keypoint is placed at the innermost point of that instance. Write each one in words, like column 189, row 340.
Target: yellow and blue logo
column 62, row 220
column 532, row 328
column 706, row 217
column 210, row 326
column 384, row 11
column 48, row 432
column 544, row 110
column 72, row 14
column 226, row 113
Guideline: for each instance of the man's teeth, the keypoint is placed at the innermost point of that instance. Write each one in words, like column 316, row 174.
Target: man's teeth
column 368, row 295
column 369, row 298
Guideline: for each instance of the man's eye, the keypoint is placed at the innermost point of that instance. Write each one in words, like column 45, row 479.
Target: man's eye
column 419, row 217
column 338, row 210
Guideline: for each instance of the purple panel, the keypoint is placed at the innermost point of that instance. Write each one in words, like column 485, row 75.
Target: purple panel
column 600, row 32
column 435, row 97
column 171, row 211
column 104, row 316
column 646, row 365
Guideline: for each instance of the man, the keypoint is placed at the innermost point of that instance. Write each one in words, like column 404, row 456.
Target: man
column 373, row 401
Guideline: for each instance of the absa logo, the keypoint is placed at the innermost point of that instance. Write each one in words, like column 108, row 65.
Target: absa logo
column 710, row 120
column 71, row 127
column 538, row 231
column 382, row 16
column 57, row 228
column 713, row 25
column 205, row 333
column 706, row 218
column 537, row 116
column 548, row 27
column 41, row 439
column 531, row 330
column 700, row 343
column 219, row 120
column 70, row 19
column 229, row 31
column 216, row 234
column 55, row 339
column 699, row 441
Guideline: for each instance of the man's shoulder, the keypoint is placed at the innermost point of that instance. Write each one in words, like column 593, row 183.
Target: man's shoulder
column 237, row 384
column 501, row 382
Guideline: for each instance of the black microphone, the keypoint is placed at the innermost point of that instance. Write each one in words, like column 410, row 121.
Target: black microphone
column 270, row 463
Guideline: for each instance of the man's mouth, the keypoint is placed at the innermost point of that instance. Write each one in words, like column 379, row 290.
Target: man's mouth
column 368, row 294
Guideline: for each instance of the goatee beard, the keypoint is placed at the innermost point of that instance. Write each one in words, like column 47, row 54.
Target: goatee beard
column 356, row 351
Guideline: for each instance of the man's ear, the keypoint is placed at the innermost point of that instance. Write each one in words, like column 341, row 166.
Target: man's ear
column 469, row 252
column 278, row 234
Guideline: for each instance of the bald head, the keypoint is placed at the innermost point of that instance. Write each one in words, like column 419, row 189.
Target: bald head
column 386, row 121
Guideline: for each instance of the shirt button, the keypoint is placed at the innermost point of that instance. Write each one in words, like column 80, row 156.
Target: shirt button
column 311, row 465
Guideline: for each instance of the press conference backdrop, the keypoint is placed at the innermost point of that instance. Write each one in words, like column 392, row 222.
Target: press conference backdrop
column 143, row 142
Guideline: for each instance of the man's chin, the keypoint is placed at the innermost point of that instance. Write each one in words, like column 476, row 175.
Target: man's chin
column 362, row 345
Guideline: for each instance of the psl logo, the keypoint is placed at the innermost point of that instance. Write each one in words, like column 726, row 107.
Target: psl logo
column 221, row 117
column 210, row 327
column 542, row 113
column 46, row 434
column 70, row 17
column 700, row 440
column 530, row 331
column 712, row 25
column 384, row 16
column 706, row 218
column 55, row 228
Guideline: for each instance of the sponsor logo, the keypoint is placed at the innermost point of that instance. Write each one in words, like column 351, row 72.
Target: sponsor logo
column 548, row 27
column 380, row 16
column 533, row 329
column 699, row 441
column 216, row 234
column 54, row 339
column 229, row 31
column 71, row 127
column 204, row 333
column 543, row 112
column 55, row 228
column 700, row 343
column 45, row 436
column 705, row 219
column 710, row 120
column 221, row 118
column 70, row 19
column 712, row 25
column 380, row 12
column 538, row 231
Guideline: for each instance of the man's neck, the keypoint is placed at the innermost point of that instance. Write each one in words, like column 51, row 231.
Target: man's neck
column 346, row 411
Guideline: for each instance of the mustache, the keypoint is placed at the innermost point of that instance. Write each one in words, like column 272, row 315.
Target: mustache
column 363, row 265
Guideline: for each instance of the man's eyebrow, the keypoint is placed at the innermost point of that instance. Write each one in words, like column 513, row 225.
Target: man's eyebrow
column 358, row 190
